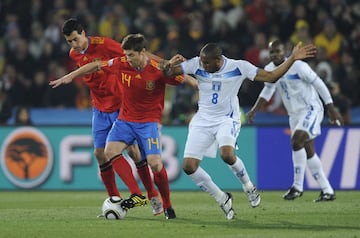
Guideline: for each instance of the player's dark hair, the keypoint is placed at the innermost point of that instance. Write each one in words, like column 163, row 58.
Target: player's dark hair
column 71, row 25
column 136, row 42
column 212, row 50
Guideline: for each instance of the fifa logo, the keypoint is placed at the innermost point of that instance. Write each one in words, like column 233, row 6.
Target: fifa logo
column 26, row 157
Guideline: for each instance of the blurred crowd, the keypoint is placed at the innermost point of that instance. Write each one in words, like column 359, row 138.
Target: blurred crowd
column 33, row 51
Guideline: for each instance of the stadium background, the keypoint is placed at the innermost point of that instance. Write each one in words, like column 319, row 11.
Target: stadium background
column 33, row 51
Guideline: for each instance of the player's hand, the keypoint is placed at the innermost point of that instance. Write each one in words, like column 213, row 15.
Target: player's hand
column 250, row 116
column 177, row 59
column 164, row 66
column 63, row 80
column 334, row 116
column 302, row 52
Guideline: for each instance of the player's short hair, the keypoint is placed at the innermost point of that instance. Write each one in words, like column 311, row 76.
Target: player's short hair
column 212, row 50
column 136, row 42
column 71, row 25
column 275, row 43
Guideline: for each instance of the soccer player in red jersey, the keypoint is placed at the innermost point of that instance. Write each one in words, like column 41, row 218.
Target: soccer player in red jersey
column 143, row 87
column 106, row 99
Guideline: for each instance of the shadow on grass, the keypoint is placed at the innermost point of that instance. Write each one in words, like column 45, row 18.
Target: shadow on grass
column 245, row 224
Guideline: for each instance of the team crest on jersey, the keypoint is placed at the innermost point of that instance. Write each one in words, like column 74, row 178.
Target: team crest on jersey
column 138, row 76
column 216, row 86
column 85, row 58
column 150, row 85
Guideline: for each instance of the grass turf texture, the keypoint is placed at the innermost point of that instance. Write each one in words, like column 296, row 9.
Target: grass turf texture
column 73, row 214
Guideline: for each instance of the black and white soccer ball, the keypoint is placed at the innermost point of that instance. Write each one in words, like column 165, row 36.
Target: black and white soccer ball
column 112, row 210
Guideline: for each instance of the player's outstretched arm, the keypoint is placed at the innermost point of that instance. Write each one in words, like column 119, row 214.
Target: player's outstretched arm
column 299, row 52
column 250, row 115
column 85, row 69
column 191, row 81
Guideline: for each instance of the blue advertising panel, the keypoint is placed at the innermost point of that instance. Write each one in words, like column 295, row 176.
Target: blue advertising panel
column 62, row 158
column 338, row 149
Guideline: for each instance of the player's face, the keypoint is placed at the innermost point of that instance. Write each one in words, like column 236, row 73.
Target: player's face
column 210, row 64
column 77, row 41
column 135, row 58
column 277, row 54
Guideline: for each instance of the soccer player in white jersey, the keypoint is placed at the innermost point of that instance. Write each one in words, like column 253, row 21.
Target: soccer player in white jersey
column 300, row 88
column 217, row 122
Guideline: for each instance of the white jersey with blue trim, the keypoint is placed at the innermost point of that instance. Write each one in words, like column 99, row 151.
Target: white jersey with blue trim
column 295, row 87
column 218, row 91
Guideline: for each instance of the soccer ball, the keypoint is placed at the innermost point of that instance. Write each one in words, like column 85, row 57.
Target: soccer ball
column 112, row 210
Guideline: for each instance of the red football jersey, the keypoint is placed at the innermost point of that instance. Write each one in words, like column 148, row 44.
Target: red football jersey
column 143, row 90
column 104, row 88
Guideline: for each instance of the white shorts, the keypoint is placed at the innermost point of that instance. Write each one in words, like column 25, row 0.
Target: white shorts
column 204, row 140
column 307, row 120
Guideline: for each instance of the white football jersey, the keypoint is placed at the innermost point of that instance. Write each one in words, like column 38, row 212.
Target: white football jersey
column 218, row 91
column 295, row 88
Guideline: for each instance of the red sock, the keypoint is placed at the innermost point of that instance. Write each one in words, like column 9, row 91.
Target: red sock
column 123, row 169
column 108, row 178
column 144, row 173
column 162, row 182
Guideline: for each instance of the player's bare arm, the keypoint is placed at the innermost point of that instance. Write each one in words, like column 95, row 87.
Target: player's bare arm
column 257, row 106
column 299, row 52
column 191, row 81
column 334, row 115
column 83, row 70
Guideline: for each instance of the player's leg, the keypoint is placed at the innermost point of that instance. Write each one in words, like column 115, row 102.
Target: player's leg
column 302, row 127
column 299, row 165
column 162, row 182
column 118, row 139
column 145, row 176
column 100, row 128
column 106, row 173
column 314, row 164
column 142, row 169
column 151, row 146
column 198, row 141
column 148, row 138
column 226, row 137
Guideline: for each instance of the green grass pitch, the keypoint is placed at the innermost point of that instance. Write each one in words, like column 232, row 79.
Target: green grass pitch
column 52, row 214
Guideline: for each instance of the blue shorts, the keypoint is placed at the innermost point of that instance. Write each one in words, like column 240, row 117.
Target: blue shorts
column 146, row 134
column 101, row 125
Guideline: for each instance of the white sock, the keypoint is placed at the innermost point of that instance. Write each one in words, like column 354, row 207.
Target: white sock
column 299, row 164
column 317, row 172
column 239, row 170
column 205, row 183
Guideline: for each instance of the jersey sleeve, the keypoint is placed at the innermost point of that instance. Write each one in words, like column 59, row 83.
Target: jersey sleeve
column 177, row 80
column 110, row 66
column 305, row 72
column 267, row 91
column 248, row 69
column 190, row 66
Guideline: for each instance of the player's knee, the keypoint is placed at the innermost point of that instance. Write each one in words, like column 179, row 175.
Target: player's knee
column 297, row 144
column 110, row 153
column 189, row 166
column 156, row 167
column 228, row 158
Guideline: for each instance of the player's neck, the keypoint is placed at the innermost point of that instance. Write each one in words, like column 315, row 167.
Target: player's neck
column 144, row 62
